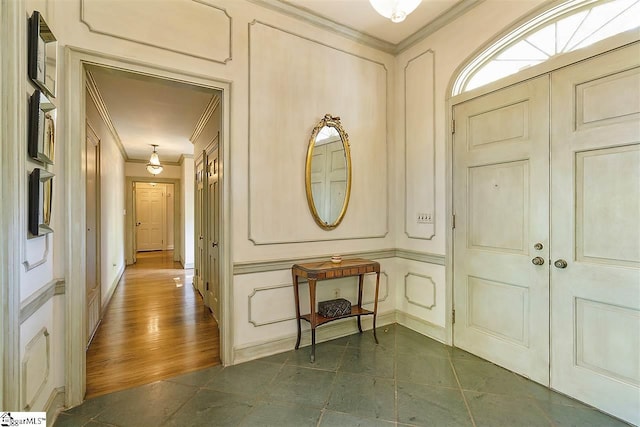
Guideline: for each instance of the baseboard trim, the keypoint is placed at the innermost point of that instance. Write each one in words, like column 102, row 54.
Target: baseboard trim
column 328, row 332
column 54, row 404
column 422, row 326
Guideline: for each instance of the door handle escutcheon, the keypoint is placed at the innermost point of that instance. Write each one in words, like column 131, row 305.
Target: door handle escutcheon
column 538, row 260
column 560, row 263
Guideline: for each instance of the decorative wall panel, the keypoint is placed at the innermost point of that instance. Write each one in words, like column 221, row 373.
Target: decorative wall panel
column 263, row 299
column 35, row 368
column 420, row 290
column 205, row 30
column 36, row 252
column 307, row 79
column 419, row 170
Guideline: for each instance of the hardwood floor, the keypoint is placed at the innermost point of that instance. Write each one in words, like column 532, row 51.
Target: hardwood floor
column 156, row 327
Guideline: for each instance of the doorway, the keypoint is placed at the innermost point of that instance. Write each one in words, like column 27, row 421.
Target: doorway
column 75, row 298
column 546, row 185
column 154, row 208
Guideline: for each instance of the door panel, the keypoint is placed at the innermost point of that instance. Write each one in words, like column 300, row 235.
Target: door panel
column 595, row 164
column 199, row 225
column 213, row 233
column 501, row 184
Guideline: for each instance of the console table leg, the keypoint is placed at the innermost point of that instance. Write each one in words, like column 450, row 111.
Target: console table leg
column 360, row 286
column 313, row 345
column 375, row 306
column 297, row 301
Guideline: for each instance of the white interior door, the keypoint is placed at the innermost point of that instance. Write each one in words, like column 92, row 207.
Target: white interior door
column 212, row 299
column 595, row 227
column 169, row 215
column 501, row 203
column 199, row 226
column 150, row 213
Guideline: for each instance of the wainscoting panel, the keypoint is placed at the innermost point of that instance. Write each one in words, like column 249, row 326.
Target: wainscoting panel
column 421, row 296
column 307, row 79
column 35, row 368
column 420, row 290
column 205, row 30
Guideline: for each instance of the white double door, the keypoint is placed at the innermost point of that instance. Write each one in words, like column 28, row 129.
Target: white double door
column 547, row 239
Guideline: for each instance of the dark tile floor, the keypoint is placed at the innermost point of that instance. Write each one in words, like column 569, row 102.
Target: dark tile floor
column 407, row 379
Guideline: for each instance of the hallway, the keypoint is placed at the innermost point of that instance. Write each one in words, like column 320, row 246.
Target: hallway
column 155, row 327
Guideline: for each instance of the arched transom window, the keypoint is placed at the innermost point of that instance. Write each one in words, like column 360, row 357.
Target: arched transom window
column 572, row 25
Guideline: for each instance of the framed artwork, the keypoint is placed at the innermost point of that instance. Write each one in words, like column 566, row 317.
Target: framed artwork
column 42, row 128
column 40, row 197
column 43, row 55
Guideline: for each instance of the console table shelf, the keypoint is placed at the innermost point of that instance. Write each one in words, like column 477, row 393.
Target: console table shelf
column 328, row 270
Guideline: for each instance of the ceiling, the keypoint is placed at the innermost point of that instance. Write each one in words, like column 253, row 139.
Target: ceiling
column 146, row 110
column 360, row 16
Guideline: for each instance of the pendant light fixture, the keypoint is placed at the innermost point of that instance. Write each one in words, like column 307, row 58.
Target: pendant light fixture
column 154, row 167
column 396, row 10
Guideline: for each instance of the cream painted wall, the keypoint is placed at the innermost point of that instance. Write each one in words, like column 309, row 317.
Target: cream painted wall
column 111, row 204
column 275, row 102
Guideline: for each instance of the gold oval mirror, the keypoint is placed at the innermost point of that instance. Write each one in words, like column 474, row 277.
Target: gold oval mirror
column 328, row 172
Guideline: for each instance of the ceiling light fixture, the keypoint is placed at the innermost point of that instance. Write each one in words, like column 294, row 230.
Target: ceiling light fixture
column 154, row 167
column 396, row 10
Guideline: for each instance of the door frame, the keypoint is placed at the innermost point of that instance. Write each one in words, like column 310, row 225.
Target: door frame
column 73, row 133
column 98, row 228
column 130, row 208
column 560, row 61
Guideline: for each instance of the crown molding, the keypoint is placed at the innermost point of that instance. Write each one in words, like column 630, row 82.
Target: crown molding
column 313, row 18
column 184, row 156
column 94, row 92
column 440, row 21
column 327, row 24
column 211, row 107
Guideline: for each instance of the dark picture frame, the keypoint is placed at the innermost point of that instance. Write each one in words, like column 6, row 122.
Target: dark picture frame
column 40, row 197
column 42, row 132
column 43, row 55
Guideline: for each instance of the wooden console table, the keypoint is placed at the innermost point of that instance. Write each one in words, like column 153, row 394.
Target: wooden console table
column 315, row 271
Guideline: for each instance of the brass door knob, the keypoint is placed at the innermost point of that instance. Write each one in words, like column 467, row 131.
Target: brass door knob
column 560, row 263
column 538, row 260
column 538, row 246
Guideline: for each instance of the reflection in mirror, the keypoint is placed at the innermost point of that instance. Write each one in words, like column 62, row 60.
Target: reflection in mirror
column 328, row 172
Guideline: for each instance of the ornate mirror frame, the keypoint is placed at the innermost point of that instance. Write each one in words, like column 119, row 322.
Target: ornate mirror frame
column 333, row 122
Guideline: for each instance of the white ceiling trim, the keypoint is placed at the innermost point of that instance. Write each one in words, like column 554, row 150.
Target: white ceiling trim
column 364, row 38
column 94, row 92
column 204, row 118
column 327, row 24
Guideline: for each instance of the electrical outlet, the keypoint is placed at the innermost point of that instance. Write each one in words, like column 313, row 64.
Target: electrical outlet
column 425, row 218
